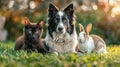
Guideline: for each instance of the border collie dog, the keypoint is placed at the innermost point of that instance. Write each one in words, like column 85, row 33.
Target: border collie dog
column 61, row 34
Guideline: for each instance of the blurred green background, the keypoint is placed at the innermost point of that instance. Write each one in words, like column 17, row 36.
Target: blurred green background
column 103, row 14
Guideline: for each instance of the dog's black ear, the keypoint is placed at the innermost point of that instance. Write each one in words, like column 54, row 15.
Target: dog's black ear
column 52, row 9
column 69, row 10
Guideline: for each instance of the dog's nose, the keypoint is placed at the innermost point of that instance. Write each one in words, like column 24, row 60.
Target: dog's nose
column 60, row 28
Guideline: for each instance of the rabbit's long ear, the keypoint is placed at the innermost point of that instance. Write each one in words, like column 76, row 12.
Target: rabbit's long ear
column 81, row 27
column 88, row 28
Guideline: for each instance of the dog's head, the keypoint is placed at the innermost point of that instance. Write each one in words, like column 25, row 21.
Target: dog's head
column 60, row 21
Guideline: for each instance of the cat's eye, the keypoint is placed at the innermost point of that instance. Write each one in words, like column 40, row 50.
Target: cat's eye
column 37, row 32
column 30, row 32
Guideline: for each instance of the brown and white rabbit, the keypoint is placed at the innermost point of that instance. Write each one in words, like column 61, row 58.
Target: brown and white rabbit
column 90, row 43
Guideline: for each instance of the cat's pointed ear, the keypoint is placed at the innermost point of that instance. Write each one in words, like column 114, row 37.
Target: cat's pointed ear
column 52, row 9
column 40, row 23
column 69, row 9
column 26, row 21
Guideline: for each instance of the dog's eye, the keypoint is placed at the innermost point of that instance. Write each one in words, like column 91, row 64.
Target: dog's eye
column 64, row 19
column 56, row 20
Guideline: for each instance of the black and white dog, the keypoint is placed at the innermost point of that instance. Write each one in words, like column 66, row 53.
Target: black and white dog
column 61, row 33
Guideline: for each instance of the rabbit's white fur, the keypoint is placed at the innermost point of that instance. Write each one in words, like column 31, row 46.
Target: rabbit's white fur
column 87, row 46
column 90, row 43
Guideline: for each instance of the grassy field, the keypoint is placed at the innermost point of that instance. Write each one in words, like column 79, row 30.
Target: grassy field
column 11, row 58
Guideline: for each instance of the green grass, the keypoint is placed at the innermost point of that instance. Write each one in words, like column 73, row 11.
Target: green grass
column 11, row 58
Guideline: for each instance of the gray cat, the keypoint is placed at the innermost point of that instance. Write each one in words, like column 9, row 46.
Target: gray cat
column 31, row 39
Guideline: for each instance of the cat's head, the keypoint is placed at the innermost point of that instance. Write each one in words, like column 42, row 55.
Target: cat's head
column 33, row 31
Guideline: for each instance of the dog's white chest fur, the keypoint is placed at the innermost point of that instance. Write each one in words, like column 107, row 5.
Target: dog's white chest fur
column 88, row 46
column 62, row 43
